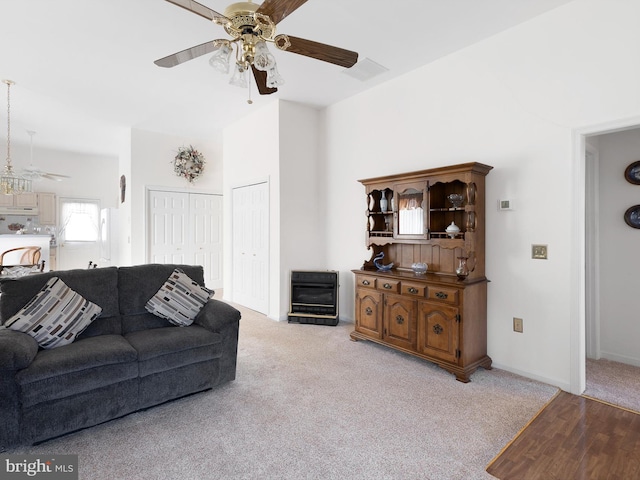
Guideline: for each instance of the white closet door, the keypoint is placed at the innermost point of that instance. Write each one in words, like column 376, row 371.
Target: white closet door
column 251, row 246
column 205, row 219
column 169, row 227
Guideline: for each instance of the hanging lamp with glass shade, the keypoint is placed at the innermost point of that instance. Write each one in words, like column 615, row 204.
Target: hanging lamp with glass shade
column 10, row 182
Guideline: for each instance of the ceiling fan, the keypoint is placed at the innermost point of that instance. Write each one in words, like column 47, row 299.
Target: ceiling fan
column 34, row 173
column 250, row 27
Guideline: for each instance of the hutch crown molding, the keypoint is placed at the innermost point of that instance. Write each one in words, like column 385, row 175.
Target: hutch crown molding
column 436, row 217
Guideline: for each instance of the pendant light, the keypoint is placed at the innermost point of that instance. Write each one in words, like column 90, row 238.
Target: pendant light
column 10, row 182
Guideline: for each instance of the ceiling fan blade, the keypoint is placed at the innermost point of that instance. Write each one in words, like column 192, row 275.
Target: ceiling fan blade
column 322, row 51
column 261, row 82
column 32, row 175
column 186, row 55
column 51, row 176
column 57, row 175
column 277, row 10
column 197, row 8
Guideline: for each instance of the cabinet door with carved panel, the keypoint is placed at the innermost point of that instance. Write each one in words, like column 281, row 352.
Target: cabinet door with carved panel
column 369, row 312
column 438, row 332
column 400, row 321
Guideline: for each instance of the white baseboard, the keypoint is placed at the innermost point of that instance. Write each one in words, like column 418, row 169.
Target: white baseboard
column 550, row 381
column 620, row 358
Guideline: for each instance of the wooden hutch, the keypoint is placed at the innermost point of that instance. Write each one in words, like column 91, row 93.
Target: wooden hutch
column 439, row 316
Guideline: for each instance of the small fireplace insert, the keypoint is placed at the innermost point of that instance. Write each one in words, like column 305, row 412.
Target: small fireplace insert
column 314, row 297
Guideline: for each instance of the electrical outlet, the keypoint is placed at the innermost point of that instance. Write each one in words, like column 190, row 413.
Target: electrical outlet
column 539, row 252
column 517, row 324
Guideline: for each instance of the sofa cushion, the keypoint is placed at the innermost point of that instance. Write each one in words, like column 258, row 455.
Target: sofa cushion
column 137, row 284
column 82, row 366
column 162, row 349
column 55, row 316
column 99, row 286
column 179, row 299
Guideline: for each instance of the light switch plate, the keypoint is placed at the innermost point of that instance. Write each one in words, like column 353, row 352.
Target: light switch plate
column 517, row 325
column 539, row 252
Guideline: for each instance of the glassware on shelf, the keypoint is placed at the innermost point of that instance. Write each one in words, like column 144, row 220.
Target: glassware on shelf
column 419, row 268
column 463, row 269
column 453, row 230
column 456, row 199
column 383, row 202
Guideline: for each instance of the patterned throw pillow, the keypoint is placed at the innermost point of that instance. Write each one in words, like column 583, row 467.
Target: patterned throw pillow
column 55, row 316
column 179, row 300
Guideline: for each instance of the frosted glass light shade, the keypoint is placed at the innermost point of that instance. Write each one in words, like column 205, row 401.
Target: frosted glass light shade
column 239, row 78
column 263, row 59
column 274, row 79
column 220, row 58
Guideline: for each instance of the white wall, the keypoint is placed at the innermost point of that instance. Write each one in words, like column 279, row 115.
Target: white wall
column 514, row 102
column 279, row 143
column 619, row 259
column 251, row 155
column 152, row 157
column 302, row 201
column 92, row 176
column 124, row 208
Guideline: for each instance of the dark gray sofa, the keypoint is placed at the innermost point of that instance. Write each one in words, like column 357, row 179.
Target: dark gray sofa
column 126, row 360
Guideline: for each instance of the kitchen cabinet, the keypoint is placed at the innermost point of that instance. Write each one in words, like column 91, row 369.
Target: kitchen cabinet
column 47, row 208
column 23, row 200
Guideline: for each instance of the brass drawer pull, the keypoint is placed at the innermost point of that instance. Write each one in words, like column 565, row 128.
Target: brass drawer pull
column 441, row 295
column 366, row 282
column 413, row 290
column 368, row 311
column 400, row 319
column 437, row 329
column 387, row 286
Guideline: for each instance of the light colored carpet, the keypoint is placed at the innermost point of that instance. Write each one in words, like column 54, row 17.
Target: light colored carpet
column 308, row 403
column 613, row 382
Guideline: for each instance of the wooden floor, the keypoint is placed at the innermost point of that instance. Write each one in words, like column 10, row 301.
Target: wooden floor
column 574, row 438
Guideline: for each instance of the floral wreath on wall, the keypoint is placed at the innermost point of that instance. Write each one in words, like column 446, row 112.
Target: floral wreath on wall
column 189, row 163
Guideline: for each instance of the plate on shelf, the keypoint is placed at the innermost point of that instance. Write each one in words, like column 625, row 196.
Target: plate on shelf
column 632, row 173
column 632, row 216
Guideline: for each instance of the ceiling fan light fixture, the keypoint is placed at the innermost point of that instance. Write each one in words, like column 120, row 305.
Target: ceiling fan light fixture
column 251, row 25
column 274, row 79
column 239, row 78
column 220, row 58
column 10, row 182
column 263, row 59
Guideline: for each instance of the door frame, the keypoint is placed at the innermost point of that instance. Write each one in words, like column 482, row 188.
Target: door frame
column 579, row 277
column 592, row 249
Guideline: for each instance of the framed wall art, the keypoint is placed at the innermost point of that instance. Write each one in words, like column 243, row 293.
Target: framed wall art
column 632, row 216
column 632, row 173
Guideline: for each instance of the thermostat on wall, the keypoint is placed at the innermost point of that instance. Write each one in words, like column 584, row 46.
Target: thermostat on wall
column 505, row 204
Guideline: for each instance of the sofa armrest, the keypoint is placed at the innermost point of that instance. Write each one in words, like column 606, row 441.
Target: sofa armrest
column 17, row 349
column 217, row 315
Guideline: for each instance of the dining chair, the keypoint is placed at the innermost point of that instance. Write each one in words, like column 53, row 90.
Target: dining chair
column 26, row 257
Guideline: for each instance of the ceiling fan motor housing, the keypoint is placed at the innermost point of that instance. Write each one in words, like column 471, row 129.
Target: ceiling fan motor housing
column 242, row 18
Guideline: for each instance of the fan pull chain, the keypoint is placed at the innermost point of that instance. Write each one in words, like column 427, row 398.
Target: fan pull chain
column 249, row 101
column 9, row 83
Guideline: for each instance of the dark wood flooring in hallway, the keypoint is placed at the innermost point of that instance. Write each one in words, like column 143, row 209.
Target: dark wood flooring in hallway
column 574, row 438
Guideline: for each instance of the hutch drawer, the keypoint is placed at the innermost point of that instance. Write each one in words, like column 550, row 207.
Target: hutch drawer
column 388, row 285
column 366, row 281
column 414, row 289
column 440, row 294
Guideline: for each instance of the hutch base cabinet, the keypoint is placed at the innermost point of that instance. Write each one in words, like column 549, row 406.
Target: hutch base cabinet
column 435, row 217
column 435, row 318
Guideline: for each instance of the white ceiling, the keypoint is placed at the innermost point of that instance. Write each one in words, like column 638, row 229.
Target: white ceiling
column 84, row 68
